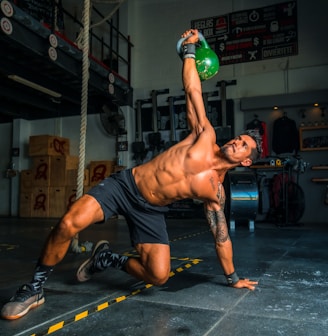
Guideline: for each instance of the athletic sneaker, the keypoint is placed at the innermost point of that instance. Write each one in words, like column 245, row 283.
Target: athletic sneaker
column 88, row 268
column 25, row 299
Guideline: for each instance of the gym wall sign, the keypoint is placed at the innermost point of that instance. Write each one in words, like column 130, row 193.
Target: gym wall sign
column 253, row 34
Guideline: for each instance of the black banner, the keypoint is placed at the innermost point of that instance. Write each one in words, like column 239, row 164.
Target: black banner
column 253, row 34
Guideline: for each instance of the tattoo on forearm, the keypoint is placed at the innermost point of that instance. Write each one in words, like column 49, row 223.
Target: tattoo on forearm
column 218, row 225
column 217, row 220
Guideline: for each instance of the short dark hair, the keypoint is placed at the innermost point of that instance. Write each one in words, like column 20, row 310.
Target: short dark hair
column 255, row 135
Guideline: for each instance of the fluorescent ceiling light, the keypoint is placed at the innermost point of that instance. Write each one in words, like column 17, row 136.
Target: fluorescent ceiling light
column 34, row 86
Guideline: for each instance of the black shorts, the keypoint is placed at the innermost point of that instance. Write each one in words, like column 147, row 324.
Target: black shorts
column 119, row 195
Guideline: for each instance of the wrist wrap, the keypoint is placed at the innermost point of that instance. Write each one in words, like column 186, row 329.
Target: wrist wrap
column 232, row 278
column 188, row 50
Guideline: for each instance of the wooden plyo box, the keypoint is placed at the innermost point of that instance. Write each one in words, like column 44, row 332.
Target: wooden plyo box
column 100, row 170
column 25, row 204
column 57, row 206
column 71, row 162
column 26, row 180
column 48, row 145
column 43, row 202
column 41, row 171
column 60, row 166
column 71, row 177
column 70, row 196
column 40, row 202
column 52, row 170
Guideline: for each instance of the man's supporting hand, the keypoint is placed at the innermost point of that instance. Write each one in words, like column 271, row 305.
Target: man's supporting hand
column 245, row 283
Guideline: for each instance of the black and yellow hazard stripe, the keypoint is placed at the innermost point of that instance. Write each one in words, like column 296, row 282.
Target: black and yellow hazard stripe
column 185, row 266
column 187, row 236
column 84, row 314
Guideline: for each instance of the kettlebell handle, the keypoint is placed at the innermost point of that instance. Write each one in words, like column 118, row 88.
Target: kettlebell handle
column 207, row 61
column 179, row 44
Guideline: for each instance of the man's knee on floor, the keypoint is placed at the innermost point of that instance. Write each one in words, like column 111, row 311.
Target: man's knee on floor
column 155, row 261
column 160, row 276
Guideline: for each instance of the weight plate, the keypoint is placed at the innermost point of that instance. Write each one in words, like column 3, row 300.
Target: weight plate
column 111, row 78
column 7, row 8
column 53, row 40
column 52, row 53
column 6, row 26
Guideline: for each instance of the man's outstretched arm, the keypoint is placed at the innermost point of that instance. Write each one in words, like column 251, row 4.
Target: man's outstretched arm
column 196, row 114
column 215, row 216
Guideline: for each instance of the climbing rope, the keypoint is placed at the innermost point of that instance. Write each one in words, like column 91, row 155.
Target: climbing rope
column 83, row 121
column 83, row 43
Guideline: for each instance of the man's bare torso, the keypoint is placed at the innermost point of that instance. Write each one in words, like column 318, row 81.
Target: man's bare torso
column 181, row 172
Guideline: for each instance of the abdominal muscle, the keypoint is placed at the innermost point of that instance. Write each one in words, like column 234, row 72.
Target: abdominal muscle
column 172, row 176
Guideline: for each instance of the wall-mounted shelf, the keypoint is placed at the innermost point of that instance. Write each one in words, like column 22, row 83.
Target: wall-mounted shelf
column 320, row 179
column 319, row 168
column 313, row 138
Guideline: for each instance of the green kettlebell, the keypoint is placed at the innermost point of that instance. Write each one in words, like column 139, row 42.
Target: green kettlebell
column 207, row 61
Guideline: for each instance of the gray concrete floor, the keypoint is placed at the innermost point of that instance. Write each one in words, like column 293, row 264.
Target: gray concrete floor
column 290, row 264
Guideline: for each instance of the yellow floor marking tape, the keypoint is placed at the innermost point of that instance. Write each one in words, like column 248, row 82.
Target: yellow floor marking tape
column 81, row 316
column 102, row 306
column 55, row 327
column 190, row 235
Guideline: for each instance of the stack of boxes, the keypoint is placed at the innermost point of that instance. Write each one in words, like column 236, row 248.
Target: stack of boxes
column 49, row 188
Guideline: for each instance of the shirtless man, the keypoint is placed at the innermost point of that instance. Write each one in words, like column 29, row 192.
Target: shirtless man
column 193, row 168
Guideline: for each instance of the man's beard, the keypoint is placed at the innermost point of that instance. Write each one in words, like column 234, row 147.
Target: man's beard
column 226, row 154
